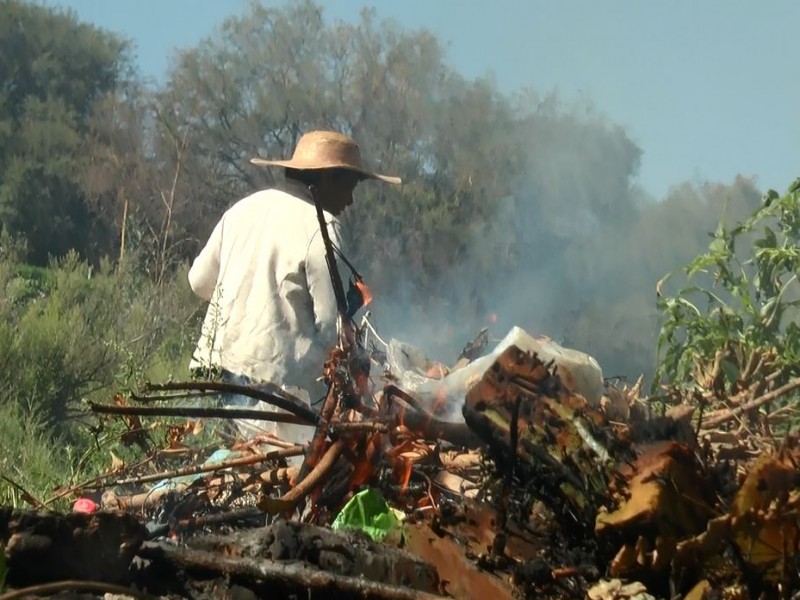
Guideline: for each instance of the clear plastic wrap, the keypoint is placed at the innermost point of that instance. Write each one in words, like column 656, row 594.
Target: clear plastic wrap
column 579, row 371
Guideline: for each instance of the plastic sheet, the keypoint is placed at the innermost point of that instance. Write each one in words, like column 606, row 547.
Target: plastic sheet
column 579, row 371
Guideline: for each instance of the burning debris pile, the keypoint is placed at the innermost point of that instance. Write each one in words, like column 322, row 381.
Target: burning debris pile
column 547, row 485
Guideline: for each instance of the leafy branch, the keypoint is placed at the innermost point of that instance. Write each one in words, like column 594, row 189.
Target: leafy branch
column 730, row 334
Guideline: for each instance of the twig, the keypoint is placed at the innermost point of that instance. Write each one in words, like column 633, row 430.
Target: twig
column 716, row 419
column 368, row 426
column 93, row 483
column 231, row 516
column 317, row 473
column 177, row 396
column 263, row 439
column 285, row 400
column 317, row 445
column 86, row 586
column 270, row 572
column 201, row 413
column 307, row 485
column 26, row 495
column 217, row 466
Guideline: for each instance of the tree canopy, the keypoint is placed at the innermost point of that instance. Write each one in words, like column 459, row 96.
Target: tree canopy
column 53, row 69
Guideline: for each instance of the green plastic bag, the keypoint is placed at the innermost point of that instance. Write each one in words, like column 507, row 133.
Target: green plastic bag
column 368, row 511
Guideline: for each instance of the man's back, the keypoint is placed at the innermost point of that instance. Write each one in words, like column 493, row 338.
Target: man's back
column 272, row 313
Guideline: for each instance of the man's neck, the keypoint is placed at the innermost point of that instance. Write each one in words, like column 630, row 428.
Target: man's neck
column 296, row 188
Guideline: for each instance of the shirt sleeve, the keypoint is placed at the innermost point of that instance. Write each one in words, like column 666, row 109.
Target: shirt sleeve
column 320, row 287
column 204, row 273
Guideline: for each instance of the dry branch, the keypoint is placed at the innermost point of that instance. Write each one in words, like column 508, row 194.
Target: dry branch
column 716, row 419
column 217, row 466
column 307, row 485
column 360, row 427
column 270, row 572
column 285, row 400
column 200, row 413
column 75, row 586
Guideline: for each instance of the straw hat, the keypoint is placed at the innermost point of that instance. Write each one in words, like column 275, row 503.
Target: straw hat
column 326, row 150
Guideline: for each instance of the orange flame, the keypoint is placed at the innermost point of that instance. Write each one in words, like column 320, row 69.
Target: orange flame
column 366, row 293
column 363, row 468
column 403, row 473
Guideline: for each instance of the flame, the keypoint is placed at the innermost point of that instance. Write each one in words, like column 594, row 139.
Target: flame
column 366, row 293
column 493, row 318
column 362, row 470
column 402, row 471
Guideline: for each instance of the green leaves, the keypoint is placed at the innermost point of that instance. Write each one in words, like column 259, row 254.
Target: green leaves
column 751, row 299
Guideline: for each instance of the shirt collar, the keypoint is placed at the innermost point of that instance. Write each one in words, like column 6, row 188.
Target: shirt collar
column 295, row 188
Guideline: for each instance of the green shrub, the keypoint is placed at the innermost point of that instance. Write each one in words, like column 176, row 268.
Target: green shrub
column 72, row 332
column 735, row 320
column 30, row 456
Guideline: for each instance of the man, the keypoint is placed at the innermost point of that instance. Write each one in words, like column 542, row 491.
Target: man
column 272, row 312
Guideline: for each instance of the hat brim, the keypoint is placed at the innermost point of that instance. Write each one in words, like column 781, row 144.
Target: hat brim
column 295, row 165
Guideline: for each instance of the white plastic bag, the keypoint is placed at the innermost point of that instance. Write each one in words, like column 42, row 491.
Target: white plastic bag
column 579, row 372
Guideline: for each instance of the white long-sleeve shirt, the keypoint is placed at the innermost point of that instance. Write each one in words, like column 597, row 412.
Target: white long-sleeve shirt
column 272, row 311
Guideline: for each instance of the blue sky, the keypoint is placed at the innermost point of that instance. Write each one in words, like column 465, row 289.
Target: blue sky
column 707, row 89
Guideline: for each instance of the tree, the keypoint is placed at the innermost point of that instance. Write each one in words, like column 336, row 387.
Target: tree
column 53, row 69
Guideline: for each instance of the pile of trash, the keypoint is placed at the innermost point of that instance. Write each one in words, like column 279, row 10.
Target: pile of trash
column 516, row 471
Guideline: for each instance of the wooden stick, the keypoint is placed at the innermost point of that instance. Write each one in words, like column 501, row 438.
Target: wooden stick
column 26, row 495
column 719, row 417
column 315, row 476
column 200, row 412
column 253, row 481
column 270, row 572
column 305, row 486
column 317, row 445
column 231, row 516
column 84, row 586
column 93, row 483
column 217, row 466
column 360, row 426
column 285, row 400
